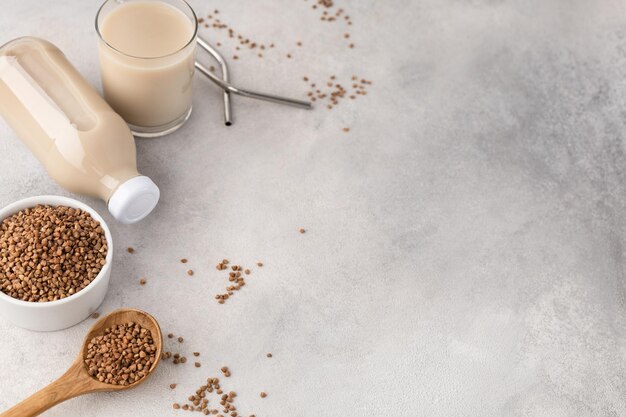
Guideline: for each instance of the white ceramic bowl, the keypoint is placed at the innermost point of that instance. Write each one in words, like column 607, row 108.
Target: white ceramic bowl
column 59, row 314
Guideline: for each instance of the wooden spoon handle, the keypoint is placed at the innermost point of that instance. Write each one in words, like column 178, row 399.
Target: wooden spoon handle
column 64, row 388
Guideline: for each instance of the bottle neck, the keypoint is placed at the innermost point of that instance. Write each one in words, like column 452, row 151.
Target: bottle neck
column 111, row 182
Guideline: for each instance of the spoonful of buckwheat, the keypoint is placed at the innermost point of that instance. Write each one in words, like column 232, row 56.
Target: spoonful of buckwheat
column 119, row 352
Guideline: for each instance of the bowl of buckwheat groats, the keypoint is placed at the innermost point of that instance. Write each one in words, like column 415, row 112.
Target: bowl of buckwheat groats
column 55, row 262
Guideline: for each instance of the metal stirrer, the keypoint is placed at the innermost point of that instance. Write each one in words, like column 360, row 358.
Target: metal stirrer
column 229, row 88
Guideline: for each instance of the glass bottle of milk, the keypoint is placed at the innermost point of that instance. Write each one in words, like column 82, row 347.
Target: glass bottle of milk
column 83, row 144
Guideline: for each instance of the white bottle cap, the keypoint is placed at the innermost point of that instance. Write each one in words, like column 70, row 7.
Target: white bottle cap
column 134, row 199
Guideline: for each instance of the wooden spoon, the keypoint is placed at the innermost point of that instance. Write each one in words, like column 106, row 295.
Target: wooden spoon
column 76, row 381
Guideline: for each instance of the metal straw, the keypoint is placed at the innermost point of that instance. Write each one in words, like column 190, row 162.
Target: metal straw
column 224, row 84
column 225, row 77
column 251, row 94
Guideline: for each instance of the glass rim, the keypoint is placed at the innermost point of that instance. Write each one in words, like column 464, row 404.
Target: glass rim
column 193, row 36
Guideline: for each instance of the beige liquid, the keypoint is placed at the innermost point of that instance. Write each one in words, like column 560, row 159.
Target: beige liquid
column 147, row 62
column 84, row 145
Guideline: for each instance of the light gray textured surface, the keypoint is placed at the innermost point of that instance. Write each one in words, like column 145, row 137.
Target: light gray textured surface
column 465, row 244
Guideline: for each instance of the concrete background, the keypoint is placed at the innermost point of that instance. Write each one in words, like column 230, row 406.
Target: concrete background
column 464, row 253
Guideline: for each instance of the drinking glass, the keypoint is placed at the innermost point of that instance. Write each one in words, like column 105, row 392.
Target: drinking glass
column 152, row 93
